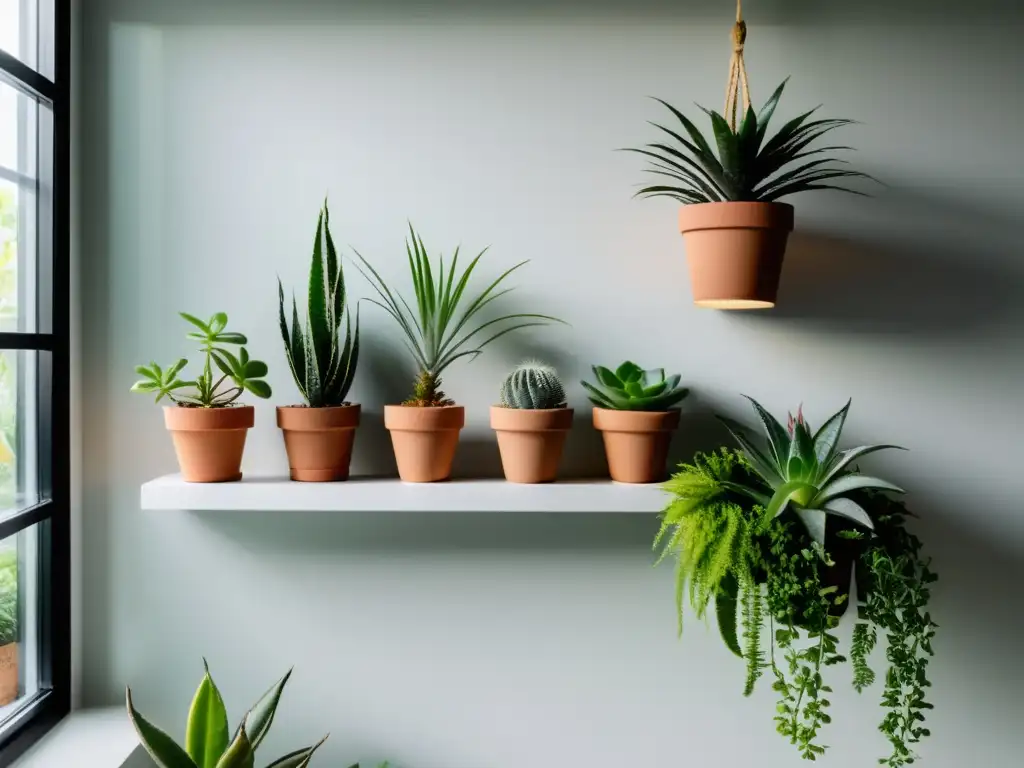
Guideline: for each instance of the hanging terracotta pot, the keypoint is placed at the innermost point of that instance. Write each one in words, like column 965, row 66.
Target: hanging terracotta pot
column 318, row 440
column 209, row 441
column 424, row 439
column 636, row 443
column 531, row 441
column 8, row 673
column 735, row 252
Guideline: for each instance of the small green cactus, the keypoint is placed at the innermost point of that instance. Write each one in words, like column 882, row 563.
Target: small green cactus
column 533, row 386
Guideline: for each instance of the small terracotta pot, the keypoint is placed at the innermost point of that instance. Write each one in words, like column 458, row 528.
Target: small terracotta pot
column 531, row 441
column 318, row 440
column 209, row 441
column 636, row 443
column 424, row 440
column 735, row 252
column 8, row 673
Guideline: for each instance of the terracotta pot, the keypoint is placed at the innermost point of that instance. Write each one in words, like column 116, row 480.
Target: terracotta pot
column 636, row 443
column 318, row 440
column 8, row 673
column 209, row 441
column 424, row 440
column 735, row 252
column 531, row 441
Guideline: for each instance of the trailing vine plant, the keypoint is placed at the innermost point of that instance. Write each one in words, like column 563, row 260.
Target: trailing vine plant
column 774, row 569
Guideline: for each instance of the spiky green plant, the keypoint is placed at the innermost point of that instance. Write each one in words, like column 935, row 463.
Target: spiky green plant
column 238, row 373
column 207, row 739
column 807, row 471
column 323, row 367
column 533, row 386
column 631, row 388
column 436, row 333
column 746, row 167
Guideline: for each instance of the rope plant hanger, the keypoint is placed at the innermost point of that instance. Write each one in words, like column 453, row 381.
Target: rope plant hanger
column 731, row 181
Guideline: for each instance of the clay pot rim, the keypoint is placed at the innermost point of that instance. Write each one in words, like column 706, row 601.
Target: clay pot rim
column 178, row 418
column 304, row 418
column 612, row 420
column 538, row 420
column 424, row 418
column 740, row 214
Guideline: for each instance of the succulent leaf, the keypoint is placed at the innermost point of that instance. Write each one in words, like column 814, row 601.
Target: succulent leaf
column 630, row 388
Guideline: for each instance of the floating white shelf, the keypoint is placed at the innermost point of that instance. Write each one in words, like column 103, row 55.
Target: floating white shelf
column 373, row 494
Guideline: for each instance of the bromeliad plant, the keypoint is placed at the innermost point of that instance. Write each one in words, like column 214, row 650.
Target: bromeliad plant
column 323, row 367
column 225, row 375
column 440, row 331
column 807, row 471
column 631, row 388
column 208, row 743
column 779, row 585
column 748, row 165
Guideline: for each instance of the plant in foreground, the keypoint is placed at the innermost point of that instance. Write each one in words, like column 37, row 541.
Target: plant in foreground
column 631, row 388
column 444, row 328
column 323, row 367
column 776, row 587
column 533, row 386
column 234, row 374
column 746, row 166
column 207, row 740
column 807, row 471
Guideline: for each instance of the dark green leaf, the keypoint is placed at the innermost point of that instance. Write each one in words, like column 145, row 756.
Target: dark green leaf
column 726, row 609
column 161, row 747
column 258, row 387
column 259, row 719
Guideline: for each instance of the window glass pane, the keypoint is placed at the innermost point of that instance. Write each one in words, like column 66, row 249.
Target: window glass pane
column 25, row 231
column 19, row 471
column 26, row 32
column 20, row 603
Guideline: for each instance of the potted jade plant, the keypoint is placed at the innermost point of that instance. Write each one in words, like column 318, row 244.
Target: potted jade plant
column 531, row 423
column 734, row 228
column 318, row 436
column 208, row 740
column 8, row 626
column 444, row 328
column 207, row 425
column 772, row 534
column 635, row 411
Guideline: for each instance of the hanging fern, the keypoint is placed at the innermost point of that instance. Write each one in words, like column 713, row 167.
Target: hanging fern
column 753, row 618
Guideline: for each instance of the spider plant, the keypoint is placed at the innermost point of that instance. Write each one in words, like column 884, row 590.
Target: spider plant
column 438, row 333
column 806, row 470
column 746, row 166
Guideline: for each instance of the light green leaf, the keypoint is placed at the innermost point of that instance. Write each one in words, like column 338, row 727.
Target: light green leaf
column 628, row 372
column 218, row 322
column 206, row 732
column 162, row 748
column 196, row 322
column 784, row 494
column 239, row 754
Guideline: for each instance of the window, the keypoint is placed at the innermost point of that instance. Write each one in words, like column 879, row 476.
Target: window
column 35, row 643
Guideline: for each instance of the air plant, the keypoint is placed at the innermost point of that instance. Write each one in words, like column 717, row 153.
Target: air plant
column 746, row 166
column 439, row 331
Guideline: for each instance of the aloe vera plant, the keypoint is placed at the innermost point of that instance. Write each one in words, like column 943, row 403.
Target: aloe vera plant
column 747, row 167
column 208, row 743
column 238, row 373
column 631, row 388
column 439, row 331
column 323, row 367
column 806, row 470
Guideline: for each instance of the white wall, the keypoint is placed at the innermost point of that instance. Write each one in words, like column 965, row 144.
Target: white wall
column 211, row 135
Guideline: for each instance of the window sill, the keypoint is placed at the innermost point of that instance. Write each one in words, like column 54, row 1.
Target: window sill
column 89, row 738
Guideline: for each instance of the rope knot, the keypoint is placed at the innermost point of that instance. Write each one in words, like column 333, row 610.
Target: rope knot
column 739, row 35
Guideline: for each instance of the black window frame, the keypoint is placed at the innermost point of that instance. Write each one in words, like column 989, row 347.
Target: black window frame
column 53, row 701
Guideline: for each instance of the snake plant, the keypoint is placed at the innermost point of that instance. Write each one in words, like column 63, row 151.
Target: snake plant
column 323, row 367
column 631, row 388
column 437, row 333
column 238, row 373
column 807, row 471
column 207, row 740
column 746, row 166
